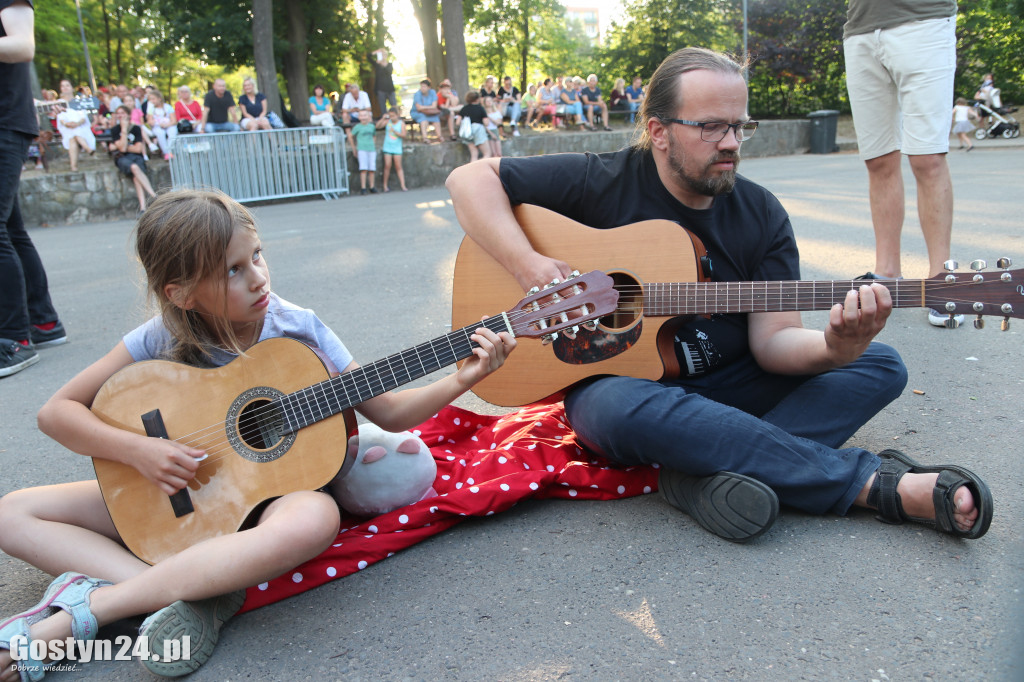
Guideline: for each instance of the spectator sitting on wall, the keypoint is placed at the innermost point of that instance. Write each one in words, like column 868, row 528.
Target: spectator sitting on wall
column 591, row 98
column 117, row 96
column 127, row 149
column 530, row 102
column 188, row 112
column 254, row 109
column 487, row 89
column 634, row 97
column 425, row 110
column 136, row 118
column 355, row 100
column 320, row 108
column 220, row 115
column 448, row 102
column 73, row 124
column 509, row 103
column 617, row 97
column 162, row 121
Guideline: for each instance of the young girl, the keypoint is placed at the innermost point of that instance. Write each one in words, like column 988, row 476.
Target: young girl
column 495, row 130
column 161, row 120
column 962, row 126
column 394, row 133
column 205, row 267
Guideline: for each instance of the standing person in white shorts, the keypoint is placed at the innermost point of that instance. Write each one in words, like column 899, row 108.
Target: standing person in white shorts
column 900, row 64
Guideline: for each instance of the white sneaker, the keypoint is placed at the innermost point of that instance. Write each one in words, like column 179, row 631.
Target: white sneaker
column 515, row 132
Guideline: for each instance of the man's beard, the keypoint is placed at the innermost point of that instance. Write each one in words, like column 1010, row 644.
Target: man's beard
column 705, row 184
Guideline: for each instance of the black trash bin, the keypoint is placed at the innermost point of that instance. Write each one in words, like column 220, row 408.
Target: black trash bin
column 823, row 131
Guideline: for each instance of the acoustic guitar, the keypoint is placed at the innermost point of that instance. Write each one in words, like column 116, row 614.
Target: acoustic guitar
column 657, row 269
column 263, row 418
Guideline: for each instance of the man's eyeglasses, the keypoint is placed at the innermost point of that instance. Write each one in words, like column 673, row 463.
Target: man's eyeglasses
column 714, row 131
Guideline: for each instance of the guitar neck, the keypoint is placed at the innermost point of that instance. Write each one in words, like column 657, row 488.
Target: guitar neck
column 706, row 298
column 317, row 402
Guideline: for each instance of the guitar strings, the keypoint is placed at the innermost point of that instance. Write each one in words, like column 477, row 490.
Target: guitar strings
column 908, row 293
column 259, row 416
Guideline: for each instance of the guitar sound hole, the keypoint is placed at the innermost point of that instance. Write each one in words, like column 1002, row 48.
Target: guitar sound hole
column 259, row 424
column 631, row 302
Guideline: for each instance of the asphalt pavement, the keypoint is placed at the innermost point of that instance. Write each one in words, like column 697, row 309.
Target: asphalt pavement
column 627, row 590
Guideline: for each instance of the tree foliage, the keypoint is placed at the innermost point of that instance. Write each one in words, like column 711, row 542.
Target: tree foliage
column 653, row 29
column 796, row 45
column 796, row 48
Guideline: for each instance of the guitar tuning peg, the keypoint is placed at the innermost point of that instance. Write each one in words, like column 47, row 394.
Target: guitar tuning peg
column 1005, row 324
column 573, row 274
column 979, row 323
column 978, row 265
column 552, row 283
column 1004, row 263
column 1006, row 309
column 570, row 333
column 950, row 265
column 951, row 322
column 590, row 325
column 532, row 291
column 548, row 339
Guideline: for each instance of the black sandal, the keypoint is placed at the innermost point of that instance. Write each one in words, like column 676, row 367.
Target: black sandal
column 883, row 496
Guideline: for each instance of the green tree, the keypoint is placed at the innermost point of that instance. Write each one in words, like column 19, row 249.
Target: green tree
column 796, row 48
column 653, row 29
column 990, row 39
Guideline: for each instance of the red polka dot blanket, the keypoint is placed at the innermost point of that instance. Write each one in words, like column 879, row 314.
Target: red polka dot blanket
column 485, row 464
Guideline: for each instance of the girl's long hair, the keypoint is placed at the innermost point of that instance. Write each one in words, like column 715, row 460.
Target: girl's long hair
column 181, row 239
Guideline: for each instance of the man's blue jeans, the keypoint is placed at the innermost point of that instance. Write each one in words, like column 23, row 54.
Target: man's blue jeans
column 226, row 127
column 24, row 291
column 783, row 431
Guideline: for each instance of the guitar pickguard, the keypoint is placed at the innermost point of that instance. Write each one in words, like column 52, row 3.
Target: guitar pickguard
column 589, row 347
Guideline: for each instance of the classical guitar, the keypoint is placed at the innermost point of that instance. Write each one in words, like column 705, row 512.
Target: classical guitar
column 263, row 418
column 656, row 266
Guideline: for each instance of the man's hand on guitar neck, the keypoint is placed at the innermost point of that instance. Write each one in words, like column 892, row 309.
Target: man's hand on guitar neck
column 853, row 324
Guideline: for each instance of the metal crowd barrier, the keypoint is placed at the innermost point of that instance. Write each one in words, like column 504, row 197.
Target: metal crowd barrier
column 264, row 164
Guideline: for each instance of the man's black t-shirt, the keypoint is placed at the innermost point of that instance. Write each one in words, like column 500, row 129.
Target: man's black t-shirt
column 218, row 106
column 17, row 109
column 747, row 232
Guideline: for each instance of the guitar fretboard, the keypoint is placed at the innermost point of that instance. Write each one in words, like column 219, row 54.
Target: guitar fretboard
column 330, row 397
column 703, row 298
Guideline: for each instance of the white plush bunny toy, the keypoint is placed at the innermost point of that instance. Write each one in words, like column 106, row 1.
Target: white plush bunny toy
column 384, row 471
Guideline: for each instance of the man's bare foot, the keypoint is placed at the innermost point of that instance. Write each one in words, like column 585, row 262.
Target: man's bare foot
column 948, row 497
column 915, row 491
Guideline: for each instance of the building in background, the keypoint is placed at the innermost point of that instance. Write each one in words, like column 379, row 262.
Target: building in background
column 590, row 17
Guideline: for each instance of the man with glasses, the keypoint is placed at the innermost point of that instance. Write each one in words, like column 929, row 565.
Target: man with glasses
column 761, row 407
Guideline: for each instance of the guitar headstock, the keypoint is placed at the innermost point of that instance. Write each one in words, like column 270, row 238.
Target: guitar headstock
column 564, row 306
column 996, row 293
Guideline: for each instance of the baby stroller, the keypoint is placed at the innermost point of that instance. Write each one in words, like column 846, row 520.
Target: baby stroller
column 997, row 120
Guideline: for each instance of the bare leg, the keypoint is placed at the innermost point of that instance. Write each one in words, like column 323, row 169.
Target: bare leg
column 142, row 185
column 387, row 171
column 400, row 172
column 292, row 529
column 934, row 206
column 474, row 154
column 73, row 155
column 885, row 188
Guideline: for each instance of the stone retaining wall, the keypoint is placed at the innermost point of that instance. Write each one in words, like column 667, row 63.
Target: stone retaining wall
column 98, row 192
